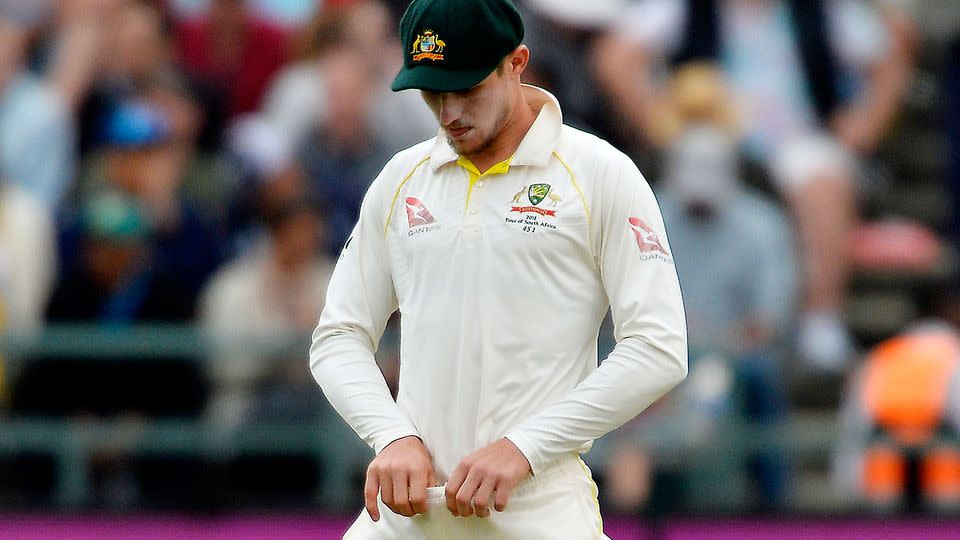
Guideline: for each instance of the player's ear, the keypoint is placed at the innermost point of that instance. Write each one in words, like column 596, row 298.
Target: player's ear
column 516, row 62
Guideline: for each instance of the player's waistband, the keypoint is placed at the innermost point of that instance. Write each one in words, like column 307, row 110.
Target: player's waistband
column 567, row 466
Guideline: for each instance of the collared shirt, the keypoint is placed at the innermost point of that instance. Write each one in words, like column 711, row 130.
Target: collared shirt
column 502, row 280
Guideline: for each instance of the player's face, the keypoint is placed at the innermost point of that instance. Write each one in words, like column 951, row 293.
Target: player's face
column 473, row 119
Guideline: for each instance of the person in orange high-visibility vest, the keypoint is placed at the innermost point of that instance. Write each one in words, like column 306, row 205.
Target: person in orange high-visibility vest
column 900, row 425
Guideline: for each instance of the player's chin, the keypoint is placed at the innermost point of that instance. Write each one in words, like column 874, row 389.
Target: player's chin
column 466, row 144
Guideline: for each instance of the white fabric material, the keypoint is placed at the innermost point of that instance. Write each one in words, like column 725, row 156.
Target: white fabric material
column 259, row 141
column 28, row 260
column 657, row 25
column 593, row 14
column 762, row 62
column 561, row 503
column 804, row 159
column 502, row 301
column 824, row 342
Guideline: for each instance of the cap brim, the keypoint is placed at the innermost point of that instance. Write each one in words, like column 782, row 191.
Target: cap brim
column 437, row 79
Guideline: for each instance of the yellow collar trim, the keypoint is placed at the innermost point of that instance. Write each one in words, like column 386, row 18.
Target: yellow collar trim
column 500, row 168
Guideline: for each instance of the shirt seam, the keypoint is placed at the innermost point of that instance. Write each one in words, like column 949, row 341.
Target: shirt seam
column 583, row 199
column 393, row 203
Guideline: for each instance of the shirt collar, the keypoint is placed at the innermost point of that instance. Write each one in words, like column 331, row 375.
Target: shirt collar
column 537, row 145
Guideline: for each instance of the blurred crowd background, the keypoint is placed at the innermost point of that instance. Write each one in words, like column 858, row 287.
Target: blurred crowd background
column 177, row 178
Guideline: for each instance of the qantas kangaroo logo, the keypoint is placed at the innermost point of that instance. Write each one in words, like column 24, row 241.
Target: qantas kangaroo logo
column 417, row 213
column 647, row 240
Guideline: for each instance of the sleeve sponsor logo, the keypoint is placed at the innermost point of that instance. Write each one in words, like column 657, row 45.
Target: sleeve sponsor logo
column 648, row 241
column 419, row 219
column 417, row 213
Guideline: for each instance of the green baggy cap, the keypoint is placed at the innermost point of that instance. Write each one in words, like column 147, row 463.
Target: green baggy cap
column 453, row 45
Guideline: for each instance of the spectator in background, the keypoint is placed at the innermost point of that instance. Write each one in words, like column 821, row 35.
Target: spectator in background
column 146, row 158
column 233, row 55
column 268, row 296
column 734, row 256
column 136, row 50
column 899, row 446
column 31, row 111
column 298, row 99
column 817, row 84
column 341, row 156
column 118, row 281
column 117, row 284
column 36, row 129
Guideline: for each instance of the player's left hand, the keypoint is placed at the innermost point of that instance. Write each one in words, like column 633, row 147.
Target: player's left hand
column 492, row 471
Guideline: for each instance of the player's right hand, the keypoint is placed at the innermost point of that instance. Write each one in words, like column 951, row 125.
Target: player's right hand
column 401, row 473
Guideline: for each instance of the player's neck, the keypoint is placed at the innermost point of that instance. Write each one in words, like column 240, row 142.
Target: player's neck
column 506, row 143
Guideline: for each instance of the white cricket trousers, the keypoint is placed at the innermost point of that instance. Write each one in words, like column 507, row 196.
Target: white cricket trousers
column 560, row 503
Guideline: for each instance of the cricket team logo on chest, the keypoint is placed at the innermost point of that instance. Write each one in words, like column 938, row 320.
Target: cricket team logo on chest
column 535, row 194
column 419, row 219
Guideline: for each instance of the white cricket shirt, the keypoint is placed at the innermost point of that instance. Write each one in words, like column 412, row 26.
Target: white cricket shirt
column 502, row 281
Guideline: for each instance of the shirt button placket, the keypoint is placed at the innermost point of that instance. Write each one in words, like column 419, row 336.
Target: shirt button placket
column 476, row 201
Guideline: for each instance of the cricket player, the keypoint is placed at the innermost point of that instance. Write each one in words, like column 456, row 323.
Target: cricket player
column 502, row 242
